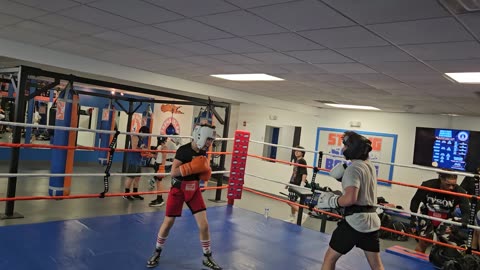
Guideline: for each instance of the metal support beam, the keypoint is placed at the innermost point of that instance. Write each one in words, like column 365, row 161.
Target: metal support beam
column 44, row 89
column 19, row 117
column 165, row 93
column 221, row 165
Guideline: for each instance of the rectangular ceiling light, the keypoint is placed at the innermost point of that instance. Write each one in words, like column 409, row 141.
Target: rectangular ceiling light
column 247, row 77
column 465, row 77
column 355, row 107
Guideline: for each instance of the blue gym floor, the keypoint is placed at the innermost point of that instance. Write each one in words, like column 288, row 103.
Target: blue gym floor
column 241, row 239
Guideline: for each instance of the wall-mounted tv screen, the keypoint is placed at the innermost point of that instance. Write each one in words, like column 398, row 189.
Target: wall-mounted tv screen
column 444, row 148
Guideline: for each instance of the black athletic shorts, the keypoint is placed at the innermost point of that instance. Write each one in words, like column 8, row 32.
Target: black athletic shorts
column 344, row 238
column 134, row 168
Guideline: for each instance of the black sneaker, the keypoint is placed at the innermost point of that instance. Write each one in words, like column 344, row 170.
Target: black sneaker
column 156, row 203
column 130, row 198
column 154, row 259
column 210, row 263
column 138, row 197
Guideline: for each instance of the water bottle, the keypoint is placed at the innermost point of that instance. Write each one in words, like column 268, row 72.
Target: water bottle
column 267, row 210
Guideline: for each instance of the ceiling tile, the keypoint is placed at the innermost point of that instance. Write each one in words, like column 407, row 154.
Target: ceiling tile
column 379, row 11
column 75, row 48
column 273, row 58
column 265, row 68
column 376, row 54
column 228, row 69
column 46, row 29
column 237, row 45
column 99, row 43
column 470, row 65
column 472, row 20
column 199, row 48
column 130, row 56
column 49, row 5
column 29, row 37
column 344, row 37
column 422, row 31
column 402, row 67
column 314, row 15
column 8, row 20
column 168, row 51
column 69, row 24
column 285, row 42
column 445, row 51
column 255, row 3
column 193, row 8
column 236, row 59
column 154, row 34
column 203, row 61
column 193, row 30
column 352, row 84
column 175, row 63
column 369, row 78
column 98, row 17
column 136, row 10
column 351, row 92
column 19, row 10
column 320, row 56
column 123, row 39
column 329, row 78
column 347, row 68
column 241, row 23
column 422, row 78
column 302, row 68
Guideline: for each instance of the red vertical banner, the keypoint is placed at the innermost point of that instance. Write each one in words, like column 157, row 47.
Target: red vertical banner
column 237, row 165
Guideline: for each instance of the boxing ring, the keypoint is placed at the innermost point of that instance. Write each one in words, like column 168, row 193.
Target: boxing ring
column 241, row 239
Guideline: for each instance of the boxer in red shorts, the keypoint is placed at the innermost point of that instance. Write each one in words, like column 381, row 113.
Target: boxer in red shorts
column 189, row 166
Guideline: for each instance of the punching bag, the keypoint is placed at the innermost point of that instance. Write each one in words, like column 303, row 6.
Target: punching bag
column 62, row 160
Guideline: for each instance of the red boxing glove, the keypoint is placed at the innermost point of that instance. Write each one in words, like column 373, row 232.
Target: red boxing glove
column 197, row 165
column 205, row 176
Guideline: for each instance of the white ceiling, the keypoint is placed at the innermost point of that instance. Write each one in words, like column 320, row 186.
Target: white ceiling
column 390, row 54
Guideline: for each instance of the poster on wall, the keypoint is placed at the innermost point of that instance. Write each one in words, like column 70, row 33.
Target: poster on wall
column 384, row 145
column 136, row 122
column 60, row 110
column 105, row 114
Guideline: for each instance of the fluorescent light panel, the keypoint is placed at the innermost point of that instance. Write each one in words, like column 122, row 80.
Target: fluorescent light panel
column 355, row 107
column 247, row 77
column 465, row 77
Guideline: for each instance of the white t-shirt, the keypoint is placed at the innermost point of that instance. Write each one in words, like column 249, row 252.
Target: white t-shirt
column 170, row 156
column 361, row 174
column 169, row 145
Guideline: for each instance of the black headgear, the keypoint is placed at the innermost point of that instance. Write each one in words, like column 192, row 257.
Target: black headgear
column 358, row 146
column 144, row 129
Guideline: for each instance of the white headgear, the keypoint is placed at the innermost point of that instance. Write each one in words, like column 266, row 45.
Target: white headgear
column 201, row 134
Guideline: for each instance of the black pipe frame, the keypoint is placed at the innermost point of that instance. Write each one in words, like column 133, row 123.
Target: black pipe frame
column 22, row 73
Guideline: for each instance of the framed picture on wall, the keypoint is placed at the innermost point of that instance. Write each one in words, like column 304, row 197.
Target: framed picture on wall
column 384, row 145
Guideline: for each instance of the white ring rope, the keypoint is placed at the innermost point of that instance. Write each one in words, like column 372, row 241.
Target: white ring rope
column 98, row 131
column 278, row 182
column 373, row 161
column 88, row 174
column 383, row 207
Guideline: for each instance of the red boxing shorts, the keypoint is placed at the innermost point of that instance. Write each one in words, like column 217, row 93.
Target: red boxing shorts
column 188, row 192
